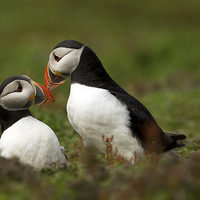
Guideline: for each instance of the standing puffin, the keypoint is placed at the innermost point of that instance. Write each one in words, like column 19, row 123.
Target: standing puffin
column 23, row 136
column 98, row 106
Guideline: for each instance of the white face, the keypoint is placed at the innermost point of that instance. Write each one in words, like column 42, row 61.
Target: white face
column 65, row 60
column 16, row 95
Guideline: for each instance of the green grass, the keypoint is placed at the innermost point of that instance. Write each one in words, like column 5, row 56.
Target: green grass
column 151, row 48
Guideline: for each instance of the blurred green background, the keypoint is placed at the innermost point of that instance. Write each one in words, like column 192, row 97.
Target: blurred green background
column 150, row 48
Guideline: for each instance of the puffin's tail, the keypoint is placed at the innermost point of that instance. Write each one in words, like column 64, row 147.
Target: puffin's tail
column 175, row 137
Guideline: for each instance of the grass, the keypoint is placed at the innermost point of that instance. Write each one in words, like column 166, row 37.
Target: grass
column 152, row 50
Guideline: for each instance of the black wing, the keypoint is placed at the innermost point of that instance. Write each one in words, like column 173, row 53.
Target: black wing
column 145, row 128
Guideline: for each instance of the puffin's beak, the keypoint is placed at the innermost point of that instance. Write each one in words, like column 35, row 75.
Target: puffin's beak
column 53, row 79
column 42, row 95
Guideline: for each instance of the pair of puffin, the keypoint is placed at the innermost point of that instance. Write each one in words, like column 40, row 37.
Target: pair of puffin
column 98, row 106
column 23, row 136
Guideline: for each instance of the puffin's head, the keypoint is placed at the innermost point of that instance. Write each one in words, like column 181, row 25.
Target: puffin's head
column 20, row 92
column 63, row 60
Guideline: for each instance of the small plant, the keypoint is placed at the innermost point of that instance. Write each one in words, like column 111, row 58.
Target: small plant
column 78, row 149
column 112, row 156
column 196, row 143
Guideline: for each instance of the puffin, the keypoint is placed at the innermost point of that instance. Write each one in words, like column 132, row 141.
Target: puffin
column 23, row 136
column 99, row 108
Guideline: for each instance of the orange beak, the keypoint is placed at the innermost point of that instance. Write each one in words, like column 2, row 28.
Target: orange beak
column 42, row 95
column 53, row 79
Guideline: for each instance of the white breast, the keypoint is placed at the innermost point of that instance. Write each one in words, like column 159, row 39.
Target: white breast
column 33, row 142
column 94, row 112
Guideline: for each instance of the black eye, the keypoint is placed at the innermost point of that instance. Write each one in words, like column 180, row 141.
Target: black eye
column 19, row 87
column 56, row 57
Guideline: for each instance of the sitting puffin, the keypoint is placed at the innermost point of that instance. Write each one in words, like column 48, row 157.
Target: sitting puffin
column 98, row 106
column 23, row 136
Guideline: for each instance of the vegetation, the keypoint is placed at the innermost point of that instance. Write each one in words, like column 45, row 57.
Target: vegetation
column 152, row 50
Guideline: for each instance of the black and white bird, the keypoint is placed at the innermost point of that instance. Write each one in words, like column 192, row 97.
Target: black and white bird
column 98, row 106
column 23, row 136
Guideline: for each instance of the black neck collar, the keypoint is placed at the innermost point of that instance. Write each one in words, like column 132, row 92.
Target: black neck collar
column 8, row 118
column 90, row 72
